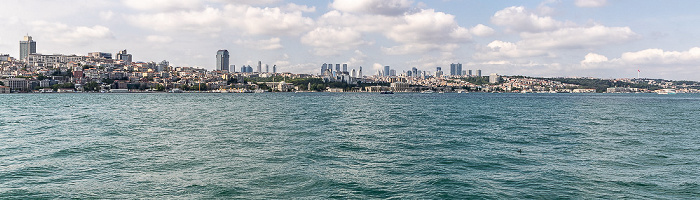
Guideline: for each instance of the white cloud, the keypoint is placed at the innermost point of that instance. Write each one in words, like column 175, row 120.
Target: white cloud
column 269, row 44
column 159, row 39
column 425, row 31
column 498, row 50
column 63, row 33
column 207, row 20
column 593, row 60
column 162, row 5
column 590, row 3
column 378, row 7
column 247, row 19
column 302, row 8
column 578, row 37
column 518, row 19
column 268, row 21
column 332, row 41
column 482, row 30
column 106, row 15
column 661, row 57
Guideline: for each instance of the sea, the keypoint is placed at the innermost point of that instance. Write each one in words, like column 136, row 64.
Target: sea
column 349, row 146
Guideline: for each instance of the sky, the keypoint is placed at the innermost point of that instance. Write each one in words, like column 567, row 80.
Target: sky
column 550, row 38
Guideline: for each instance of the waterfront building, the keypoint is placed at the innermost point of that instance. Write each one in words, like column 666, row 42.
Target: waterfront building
column 26, row 47
column 399, row 86
column 100, row 55
column 494, row 78
column 222, row 60
column 4, row 57
column 123, row 56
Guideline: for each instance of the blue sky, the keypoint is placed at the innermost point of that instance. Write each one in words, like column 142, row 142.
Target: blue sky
column 596, row 38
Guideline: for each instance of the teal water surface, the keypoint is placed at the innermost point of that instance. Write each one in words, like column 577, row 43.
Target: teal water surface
column 349, row 145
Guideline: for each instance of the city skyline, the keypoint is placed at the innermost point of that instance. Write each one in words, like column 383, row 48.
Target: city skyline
column 595, row 38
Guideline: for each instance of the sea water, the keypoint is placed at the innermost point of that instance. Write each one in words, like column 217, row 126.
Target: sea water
column 349, row 145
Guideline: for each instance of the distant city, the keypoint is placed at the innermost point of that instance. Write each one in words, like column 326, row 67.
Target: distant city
column 102, row 72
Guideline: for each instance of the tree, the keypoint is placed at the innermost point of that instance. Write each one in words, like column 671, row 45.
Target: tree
column 159, row 87
column 91, row 86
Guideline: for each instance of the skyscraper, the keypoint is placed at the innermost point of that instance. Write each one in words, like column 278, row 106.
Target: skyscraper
column 469, row 72
column 274, row 69
column 345, row 67
column 438, row 69
column 232, row 68
column 359, row 73
column 456, row 69
column 478, row 72
column 337, row 68
column 259, row 66
column 323, row 68
column 414, row 72
column 26, row 47
column 267, row 68
column 222, row 59
column 387, row 71
column 353, row 73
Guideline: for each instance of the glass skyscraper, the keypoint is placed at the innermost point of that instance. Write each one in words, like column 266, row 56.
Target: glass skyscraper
column 222, row 59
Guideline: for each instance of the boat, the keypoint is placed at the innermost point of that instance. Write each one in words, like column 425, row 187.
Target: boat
column 386, row 92
column 176, row 90
column 666, row 91
column 259, row 91
column 427, row 91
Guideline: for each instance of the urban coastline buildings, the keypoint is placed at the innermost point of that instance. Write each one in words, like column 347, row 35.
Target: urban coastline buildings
column 102, row 72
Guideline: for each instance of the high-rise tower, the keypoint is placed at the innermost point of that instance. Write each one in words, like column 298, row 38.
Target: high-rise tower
column 222, row 60
column 26, row 46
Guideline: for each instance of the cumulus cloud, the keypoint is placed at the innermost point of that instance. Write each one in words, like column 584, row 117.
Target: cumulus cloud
column 62, row 33
column 378, row 7
column 482, row 30
column 426, row 30
column 162, row 5
column 590, row 3
column 661, row 57
column 332, row 41
column 269, row 44
column 578, row 37
column 268, row 21
column 250, row 20
column 518, row 19
column 593, row 60
column 206, row 20
column 497, row 50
